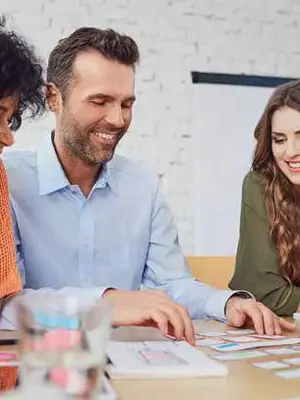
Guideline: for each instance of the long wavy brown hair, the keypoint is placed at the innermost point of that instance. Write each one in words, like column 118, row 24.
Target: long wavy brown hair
column 282, row 196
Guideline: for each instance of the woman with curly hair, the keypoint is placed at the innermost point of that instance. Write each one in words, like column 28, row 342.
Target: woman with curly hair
column 268, row 256
column 21, row 90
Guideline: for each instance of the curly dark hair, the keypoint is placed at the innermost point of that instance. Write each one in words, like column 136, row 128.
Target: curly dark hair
column 282, row 196
column 111, row 44
column 20, row 72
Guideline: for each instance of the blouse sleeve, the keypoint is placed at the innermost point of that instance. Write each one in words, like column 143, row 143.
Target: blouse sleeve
column 257, row 267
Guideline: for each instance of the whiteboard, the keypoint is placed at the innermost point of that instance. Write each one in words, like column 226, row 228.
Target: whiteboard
column 224, row 119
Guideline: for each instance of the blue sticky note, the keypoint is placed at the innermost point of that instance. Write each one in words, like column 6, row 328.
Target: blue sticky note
column 222, row 346
column 55, row 321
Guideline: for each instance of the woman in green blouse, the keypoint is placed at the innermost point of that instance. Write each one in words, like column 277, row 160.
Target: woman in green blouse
column 268, row 256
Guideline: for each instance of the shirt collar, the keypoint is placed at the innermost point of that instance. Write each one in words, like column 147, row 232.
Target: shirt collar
column 106, row 178
column 52, row 176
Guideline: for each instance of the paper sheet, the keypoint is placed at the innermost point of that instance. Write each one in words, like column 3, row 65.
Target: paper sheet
column 211, row 334
column 160, row 360
column 208, row 342
column 240, row 339
column 271, row 365
column 241, row 332
column 239, row 355
column 292, row 361
column 282, row 351
column 246, row 346
column 291, row 374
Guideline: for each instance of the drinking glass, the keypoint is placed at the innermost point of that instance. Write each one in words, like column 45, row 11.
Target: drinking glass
column 62, row 342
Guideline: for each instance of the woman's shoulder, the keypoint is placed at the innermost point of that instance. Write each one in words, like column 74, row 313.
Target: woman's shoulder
column 254, row 179
column 253, row 190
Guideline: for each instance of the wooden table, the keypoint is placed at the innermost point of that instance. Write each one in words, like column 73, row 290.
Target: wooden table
column 244, row 381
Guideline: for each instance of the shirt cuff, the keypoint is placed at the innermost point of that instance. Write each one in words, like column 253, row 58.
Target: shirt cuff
column 105, row 289
column 216, row 304
column 243, row 294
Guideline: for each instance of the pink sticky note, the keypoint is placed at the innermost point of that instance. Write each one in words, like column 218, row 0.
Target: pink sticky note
column 8, row 356
column 269, row 337
column 60, row 339
column 69, row 379
column 59, row 376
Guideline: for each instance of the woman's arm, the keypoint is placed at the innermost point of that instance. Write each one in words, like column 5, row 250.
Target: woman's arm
column 257, row 268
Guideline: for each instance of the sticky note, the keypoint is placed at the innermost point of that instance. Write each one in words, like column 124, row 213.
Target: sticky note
column 208, row 342
column 270, row 365
column 239, row 356
column 8, row 356
column 229, row 346
column 240, row 339
column 9, row 359
column 212, row 334
column 241, row 331
column 282, row 351
column 258, row 344
column 278, row 337
column 49, row 321
column 293, row 361
column 291, row 374
column 62, row 339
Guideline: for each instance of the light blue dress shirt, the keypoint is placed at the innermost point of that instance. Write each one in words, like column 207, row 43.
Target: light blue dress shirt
column 122, row 235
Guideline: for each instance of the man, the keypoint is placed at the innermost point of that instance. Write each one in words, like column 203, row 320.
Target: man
column 98, row 222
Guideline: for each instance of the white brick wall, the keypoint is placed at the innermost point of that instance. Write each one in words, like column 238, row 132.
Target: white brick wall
column 175, row 37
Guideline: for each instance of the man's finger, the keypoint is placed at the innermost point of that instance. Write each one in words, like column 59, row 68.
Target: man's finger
column 189, row 330
column 160, row 319
column 174, row 319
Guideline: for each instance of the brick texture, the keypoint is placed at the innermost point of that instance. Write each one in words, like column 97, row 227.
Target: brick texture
column 175, row 36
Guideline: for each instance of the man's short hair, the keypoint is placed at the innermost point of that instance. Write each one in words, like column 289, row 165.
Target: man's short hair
column 109, row 43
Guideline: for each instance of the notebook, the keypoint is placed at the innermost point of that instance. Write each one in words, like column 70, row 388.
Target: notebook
column 134, row 360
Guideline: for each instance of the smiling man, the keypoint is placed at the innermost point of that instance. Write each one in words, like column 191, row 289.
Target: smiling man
column 96, row 223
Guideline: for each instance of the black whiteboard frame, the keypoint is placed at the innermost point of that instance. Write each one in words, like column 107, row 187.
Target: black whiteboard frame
column 238, row 79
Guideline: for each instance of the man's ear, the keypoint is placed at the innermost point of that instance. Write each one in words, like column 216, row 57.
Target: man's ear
column 52, row 96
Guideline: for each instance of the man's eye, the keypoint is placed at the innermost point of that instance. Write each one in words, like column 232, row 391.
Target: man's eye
column 127, row 105
column 98, row 103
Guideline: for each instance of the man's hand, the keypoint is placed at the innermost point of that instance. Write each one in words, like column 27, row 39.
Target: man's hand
column 241, row 311
column 151, row 308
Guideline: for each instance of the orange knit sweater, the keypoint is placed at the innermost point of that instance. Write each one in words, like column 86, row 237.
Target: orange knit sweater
column 10, row 281
column 8, row 378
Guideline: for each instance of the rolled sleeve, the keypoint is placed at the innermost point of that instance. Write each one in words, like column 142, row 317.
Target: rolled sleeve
column 166, row 269
column 257, row 266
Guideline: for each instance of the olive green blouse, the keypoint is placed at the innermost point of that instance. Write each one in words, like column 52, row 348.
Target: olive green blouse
column 257, row 268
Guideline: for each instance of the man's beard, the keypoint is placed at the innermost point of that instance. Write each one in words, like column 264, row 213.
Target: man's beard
column 78, row 141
